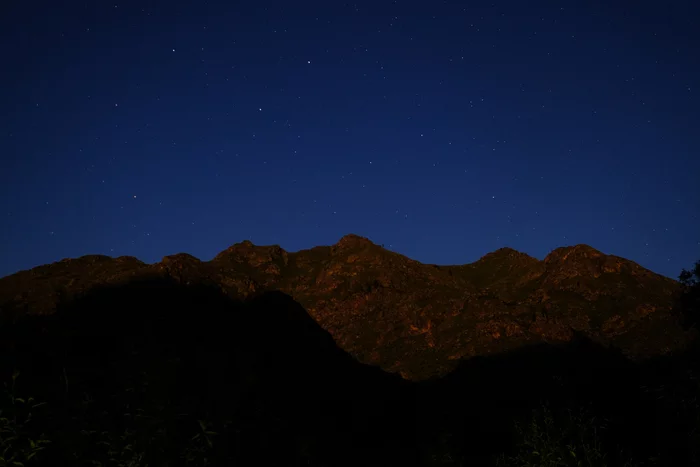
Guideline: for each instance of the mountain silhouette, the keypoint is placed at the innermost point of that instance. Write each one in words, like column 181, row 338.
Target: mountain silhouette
column 414, row 319
column 348, row 355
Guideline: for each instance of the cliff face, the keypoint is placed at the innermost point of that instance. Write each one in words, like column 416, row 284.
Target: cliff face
column 410, row 318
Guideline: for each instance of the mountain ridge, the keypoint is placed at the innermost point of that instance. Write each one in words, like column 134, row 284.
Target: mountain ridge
column 404, row 316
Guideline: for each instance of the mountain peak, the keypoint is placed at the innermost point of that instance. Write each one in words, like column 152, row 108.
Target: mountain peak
column 249, row 250
column 245, row 244
column 505, row 252
column 180, row 258
column 353, row 240
column 577, row 252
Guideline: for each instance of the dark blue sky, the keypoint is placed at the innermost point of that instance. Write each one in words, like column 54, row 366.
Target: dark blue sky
column 443, row 130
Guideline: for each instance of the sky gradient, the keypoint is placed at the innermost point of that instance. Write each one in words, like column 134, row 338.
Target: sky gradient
column 443, row 130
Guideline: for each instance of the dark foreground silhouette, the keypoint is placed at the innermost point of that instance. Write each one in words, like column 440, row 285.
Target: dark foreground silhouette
column 160, row 374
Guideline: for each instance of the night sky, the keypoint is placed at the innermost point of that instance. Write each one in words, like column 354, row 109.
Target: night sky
column 441, row 129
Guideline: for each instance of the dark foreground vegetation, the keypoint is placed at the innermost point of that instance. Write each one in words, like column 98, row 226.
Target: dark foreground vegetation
column 159, row 374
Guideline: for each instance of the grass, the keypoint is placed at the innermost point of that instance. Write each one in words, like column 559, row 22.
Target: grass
column 140, row 436
column 132, row 438
column 572, row 441
column 19, row 442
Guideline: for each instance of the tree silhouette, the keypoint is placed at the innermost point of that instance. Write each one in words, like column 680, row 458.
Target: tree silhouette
column 689, row 301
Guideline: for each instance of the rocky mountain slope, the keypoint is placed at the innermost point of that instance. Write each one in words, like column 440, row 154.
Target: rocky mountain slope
column 410, row 318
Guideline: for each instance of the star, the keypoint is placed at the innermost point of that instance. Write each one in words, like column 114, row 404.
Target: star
column 194, row 138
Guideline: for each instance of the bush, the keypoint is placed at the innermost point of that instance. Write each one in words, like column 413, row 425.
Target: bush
column 573, row 440
column 19, row 442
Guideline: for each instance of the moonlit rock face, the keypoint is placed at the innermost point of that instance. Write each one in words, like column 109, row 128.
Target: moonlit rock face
column 373, row 301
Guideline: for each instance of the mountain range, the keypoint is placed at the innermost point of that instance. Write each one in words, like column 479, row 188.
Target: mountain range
column 347, row 355
column 387, row 310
